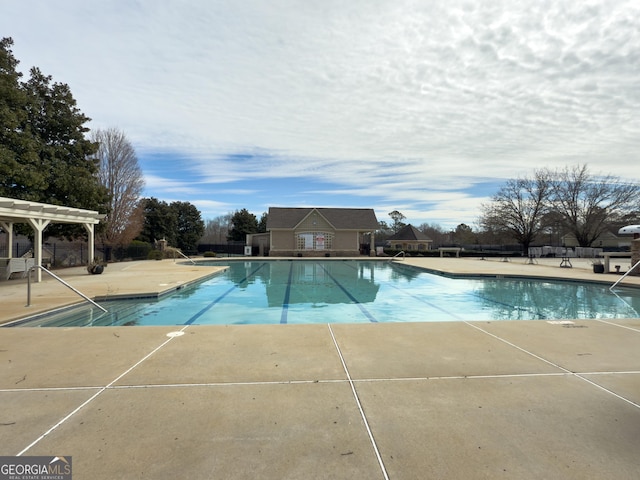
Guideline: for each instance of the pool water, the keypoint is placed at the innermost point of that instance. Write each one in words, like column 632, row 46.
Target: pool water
column 354, row 291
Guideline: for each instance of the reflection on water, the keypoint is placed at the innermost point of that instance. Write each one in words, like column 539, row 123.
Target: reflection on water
column 319, row 283
column 313, row 291
column 517, row 299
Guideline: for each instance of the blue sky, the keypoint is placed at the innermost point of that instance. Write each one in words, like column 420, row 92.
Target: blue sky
column 425, row 107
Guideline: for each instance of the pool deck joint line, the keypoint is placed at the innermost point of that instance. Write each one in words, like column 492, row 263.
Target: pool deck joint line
column 96, row 395
column 360, row 409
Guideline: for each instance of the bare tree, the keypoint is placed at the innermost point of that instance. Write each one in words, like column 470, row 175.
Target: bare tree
column 217, row 230
column 435, row 232
column 588, row 204
column 519, row 207
column 122, row 176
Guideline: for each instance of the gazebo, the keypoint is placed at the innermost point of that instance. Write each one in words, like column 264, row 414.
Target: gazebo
column 39, row 215
column 409, row 238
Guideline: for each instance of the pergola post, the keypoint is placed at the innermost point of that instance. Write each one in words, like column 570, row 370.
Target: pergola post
column 372, row 245
column 38, row 225
column 8, row 227
column 91, row 240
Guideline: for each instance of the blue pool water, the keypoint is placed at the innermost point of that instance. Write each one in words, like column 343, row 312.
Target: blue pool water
column 349, row 291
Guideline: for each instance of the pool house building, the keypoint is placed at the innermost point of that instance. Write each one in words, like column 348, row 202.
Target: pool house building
column 320, row 232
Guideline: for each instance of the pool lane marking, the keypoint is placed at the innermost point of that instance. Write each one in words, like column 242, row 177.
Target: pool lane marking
column 94, row 396
column 357, row 399
column 366, row 312
column 212, row 304
column 416, row 297
column 426, row 302
column 287, row 294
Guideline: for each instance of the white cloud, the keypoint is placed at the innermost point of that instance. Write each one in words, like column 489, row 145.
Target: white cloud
column 404, row 99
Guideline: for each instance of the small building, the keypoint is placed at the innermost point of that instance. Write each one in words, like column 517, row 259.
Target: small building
column 409, row 238
column 319, row 232
column 605, row 240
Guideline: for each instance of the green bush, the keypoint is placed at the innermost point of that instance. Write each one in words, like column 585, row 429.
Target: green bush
column 209, row 254
column 155, row 255
column 136, row 249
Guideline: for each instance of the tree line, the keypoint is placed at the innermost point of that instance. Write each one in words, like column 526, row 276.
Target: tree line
column 546, row 204
column 570, row 200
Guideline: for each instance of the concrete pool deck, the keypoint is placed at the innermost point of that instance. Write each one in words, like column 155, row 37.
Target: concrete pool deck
column 472, row 400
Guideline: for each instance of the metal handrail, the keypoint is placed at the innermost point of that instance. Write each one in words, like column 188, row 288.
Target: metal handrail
column 190, row 259
column 62, row 282
column 622, row 277
column 401, row 252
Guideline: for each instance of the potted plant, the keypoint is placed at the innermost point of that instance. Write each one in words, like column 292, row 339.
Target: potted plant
column 95, row 268
column 598, row 266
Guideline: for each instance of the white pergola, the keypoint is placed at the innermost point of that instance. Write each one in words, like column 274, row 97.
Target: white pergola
column 39, row 215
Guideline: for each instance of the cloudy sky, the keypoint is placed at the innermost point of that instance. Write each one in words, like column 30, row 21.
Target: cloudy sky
column 423, row 106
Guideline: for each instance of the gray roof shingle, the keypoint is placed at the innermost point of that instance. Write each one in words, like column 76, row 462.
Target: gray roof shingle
column 340, row 218
column 409, row 232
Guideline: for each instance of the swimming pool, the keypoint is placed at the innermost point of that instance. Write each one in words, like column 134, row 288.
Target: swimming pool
column 353, row 291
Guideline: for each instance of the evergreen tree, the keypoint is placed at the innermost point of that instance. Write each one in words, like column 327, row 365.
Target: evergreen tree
column 160, row 222
column 243, row 222
column 20, row 176
column 262, row 224
column 44, row 155
column 398, row 223
column 65, row 157
column 190, row 226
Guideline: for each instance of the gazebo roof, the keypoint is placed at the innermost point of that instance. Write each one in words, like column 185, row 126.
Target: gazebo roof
column 410, row 233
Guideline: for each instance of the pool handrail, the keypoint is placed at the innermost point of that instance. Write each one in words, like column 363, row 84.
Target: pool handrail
column 622, row 277
column 190, row 259
column 401, row 252
column 62, row 282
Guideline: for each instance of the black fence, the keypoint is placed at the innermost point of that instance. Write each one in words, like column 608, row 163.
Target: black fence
column 19, row 249
column 71, row 254
column 63, row 254
column 225, row 249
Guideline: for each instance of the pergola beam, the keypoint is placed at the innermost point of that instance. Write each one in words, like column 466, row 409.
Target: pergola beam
column 39, row 215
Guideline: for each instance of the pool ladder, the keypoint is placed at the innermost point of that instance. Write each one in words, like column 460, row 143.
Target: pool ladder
column 62, row 282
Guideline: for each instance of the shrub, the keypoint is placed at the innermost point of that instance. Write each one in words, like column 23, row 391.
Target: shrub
column 155, row 255
column 135, row 250
column 209, row 254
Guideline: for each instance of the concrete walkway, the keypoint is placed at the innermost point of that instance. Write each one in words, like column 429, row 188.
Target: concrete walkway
column 468, row 400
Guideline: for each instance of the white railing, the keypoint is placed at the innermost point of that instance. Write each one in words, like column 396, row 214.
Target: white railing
column 62, row 282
